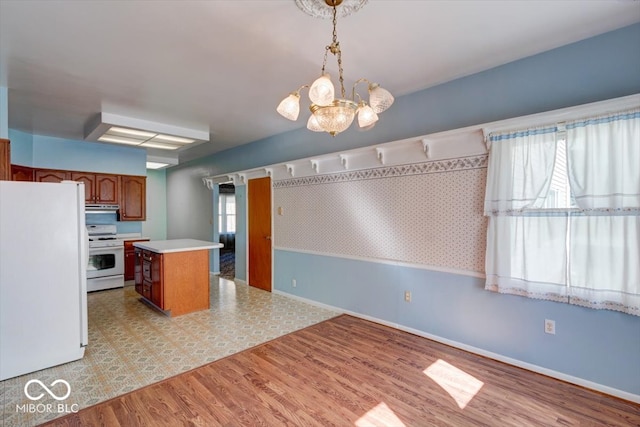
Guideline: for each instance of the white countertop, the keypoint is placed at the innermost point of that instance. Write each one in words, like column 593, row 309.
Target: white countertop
column 130, row 236
column 176, row 245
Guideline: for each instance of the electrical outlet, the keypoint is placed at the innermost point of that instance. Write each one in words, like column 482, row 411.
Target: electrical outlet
column 407, row 296
column 550, row 326
column 294, row 283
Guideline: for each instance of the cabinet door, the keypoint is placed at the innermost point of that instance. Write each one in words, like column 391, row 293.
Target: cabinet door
column 89, row 180
column 21, row 173
column 157, row 285
column 146, row 289
column 133, row 198
column 107, row 189
column 5, row 159
column 129, row 264
column 130, row 259
column 137, row 276
column 50, row 175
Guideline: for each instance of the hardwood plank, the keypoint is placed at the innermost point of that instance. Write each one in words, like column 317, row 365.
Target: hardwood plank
column 346, row 369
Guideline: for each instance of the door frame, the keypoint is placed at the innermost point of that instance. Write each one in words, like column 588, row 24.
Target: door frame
column 242, row 180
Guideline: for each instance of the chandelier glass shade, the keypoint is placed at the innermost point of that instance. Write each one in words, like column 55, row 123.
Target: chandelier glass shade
column 290, row 106
column 328, row 113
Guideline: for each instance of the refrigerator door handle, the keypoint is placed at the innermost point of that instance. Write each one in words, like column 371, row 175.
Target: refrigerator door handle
column 84, row 261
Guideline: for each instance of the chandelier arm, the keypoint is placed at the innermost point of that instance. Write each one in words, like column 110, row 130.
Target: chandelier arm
column 353, row 91
column 300, row 88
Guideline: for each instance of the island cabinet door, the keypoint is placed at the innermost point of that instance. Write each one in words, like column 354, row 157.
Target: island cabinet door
column 157, row 284
column 137, row 275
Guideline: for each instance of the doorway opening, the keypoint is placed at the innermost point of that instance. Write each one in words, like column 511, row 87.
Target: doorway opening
column 227, row 230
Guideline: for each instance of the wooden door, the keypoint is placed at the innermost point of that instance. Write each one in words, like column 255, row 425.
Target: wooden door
column 133, row 198
column 107, row 189
column 259, row 217
column 89, row 180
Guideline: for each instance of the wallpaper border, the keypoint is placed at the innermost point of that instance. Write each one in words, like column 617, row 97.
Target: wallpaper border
column 435, row 166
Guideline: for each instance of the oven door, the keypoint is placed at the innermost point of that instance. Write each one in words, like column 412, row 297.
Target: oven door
column 105, row 262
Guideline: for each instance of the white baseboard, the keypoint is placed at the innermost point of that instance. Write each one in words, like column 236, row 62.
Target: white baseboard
column 499, row 357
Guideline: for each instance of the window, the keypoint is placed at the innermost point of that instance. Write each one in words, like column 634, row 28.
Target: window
column 227, row 213
column 564, row 212
column 560, row 195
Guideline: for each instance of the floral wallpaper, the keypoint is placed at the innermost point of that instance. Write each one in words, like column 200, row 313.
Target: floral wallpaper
column 429, row 213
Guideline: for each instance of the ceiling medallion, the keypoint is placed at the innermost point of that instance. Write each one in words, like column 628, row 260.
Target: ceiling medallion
column 323, row 9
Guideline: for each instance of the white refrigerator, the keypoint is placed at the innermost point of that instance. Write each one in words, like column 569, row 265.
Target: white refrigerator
column 43, row 259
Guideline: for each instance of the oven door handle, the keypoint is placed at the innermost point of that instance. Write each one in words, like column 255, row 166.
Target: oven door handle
column 107, row 250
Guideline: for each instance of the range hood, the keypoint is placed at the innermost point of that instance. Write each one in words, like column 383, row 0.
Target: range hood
column 95, row 208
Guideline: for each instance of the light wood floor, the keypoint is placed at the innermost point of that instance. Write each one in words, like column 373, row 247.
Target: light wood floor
column 348, row 371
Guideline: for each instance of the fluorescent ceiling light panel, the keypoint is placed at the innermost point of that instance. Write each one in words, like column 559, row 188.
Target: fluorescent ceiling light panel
column 169, row 138
column 130, row 132
column 168, row 159
column 119, row 140
column 160, row 145
column 156, row 165
column 126, row 130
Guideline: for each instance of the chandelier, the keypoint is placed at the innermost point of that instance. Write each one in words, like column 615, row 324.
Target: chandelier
column 329, row 113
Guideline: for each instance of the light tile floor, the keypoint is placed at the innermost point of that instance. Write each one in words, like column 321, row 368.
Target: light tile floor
column 132, row 345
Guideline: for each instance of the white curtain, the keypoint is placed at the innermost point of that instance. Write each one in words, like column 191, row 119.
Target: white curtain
column 526, row 256
column 520, row 168
column 605, row 260
column 590, row 256
column 603, row 156
column 520, row 250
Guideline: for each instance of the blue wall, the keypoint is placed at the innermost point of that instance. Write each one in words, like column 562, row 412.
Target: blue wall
column 241, row 232
column 597, row 346
column 4, row 113
column 155, row 226
column 58, row 153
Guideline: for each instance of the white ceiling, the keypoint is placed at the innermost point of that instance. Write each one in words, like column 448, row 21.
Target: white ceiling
column 226, row 65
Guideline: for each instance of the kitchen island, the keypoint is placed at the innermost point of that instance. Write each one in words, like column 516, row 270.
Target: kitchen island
column 173, row 275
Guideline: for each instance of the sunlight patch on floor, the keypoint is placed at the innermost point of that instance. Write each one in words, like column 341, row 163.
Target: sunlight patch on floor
column 461, row 386
column 380, row 416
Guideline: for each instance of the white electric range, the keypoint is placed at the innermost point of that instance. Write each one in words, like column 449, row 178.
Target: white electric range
column 105, row 267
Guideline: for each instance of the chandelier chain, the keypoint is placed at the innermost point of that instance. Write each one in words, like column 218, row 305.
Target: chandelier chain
column 335, row 49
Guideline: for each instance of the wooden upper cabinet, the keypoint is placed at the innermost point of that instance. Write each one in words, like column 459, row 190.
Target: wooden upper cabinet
column 133, row 204
column 5, row 160
column 98, row 188
column 89, row 180
column 107, row 189
column 51, row 175
column 21, row 173
column 127, row 191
